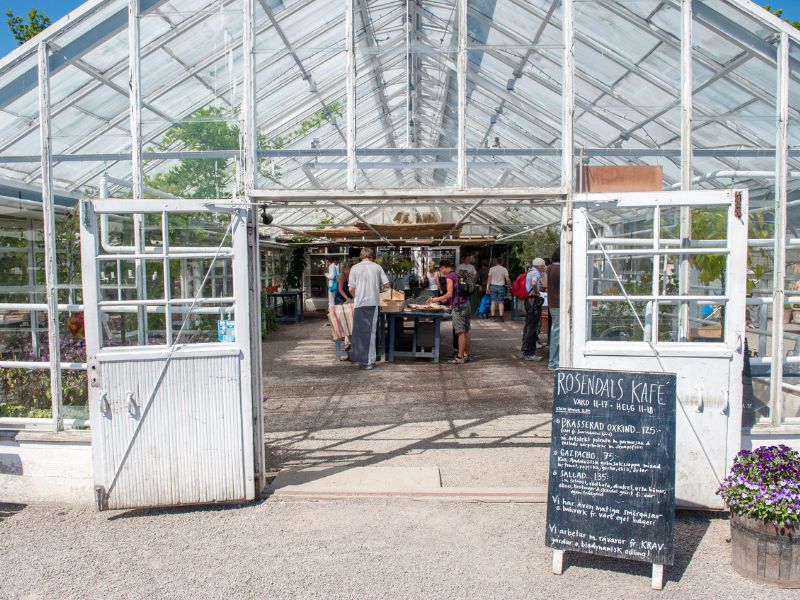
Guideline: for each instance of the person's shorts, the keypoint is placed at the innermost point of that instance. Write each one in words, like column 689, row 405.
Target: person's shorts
column 497, row 292
column 461, row 321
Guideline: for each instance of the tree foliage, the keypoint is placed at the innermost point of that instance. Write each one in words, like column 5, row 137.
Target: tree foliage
column 539, row 244
column 778, row 12
column 207, row 129
column 24, row 30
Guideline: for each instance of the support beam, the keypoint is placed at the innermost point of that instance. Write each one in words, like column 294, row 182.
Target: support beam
column 49, row 217
column 137, row 164
column 567, row 180
column 461, row 73
column 250, row 128
column 350, row 82
column 779, row 259
column 686, row 95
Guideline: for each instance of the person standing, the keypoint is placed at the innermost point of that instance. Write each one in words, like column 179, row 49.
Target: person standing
column 499, row 281
column 533, row 311
column 432, row 282
column 554, row 307
column 460, row 312
column 332, row 277
column 366, row 281
column 343, row 293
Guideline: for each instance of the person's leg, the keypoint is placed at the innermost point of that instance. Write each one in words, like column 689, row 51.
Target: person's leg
column 462, row 345
column 555, row 334
column 501, row 293
column 531, row 330
column 373, row 332
column 493, row 296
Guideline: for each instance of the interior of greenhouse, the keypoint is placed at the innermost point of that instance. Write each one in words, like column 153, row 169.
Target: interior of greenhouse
column 298, row 130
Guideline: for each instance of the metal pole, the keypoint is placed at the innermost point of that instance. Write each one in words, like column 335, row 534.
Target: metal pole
column 568, row 183
column 49, row 216
column 349, row 35
column 779, row 276
column 137, row 177
column 37, row 351
column 461, row 171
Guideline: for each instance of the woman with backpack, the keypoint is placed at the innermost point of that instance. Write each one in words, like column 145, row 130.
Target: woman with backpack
column 459, row 309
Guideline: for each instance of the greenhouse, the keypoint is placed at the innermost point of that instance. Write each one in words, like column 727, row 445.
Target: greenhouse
column 163, row 161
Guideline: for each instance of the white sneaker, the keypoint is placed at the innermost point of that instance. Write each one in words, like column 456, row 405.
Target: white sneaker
column 533, row 357
column 539, row 345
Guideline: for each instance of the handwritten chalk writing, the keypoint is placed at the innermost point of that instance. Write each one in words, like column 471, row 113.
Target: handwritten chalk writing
column 611, row 488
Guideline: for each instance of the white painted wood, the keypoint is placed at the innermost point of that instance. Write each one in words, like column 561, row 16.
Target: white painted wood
column 687, row 84
column 558, row 562
column 173, row 425
column 461, row 72
column 291, row 196
column 350, row 83
column 568, row 253
column 709, row 374
column 49, row 219
column 657, row 579
column 779, row 258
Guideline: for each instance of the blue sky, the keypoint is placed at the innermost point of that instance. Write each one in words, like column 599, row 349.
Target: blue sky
column 55, row 9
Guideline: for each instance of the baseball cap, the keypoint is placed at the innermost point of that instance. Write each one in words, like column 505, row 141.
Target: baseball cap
column 538, row 262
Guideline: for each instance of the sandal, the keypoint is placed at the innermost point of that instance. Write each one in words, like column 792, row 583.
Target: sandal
column 457, row 360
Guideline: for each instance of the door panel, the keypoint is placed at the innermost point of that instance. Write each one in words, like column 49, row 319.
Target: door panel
column 171, row 407
column 687, row 284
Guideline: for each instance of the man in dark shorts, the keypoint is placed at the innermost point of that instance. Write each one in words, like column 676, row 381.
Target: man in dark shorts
column 460, row 311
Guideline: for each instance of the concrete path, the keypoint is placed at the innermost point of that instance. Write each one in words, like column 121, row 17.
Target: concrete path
column 394, row 549
column 484, row 424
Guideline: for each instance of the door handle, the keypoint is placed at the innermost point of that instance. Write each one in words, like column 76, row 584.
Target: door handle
column 740, row 339
column 133, row 408
column 105, row 407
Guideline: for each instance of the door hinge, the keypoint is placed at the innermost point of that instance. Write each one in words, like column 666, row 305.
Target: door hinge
column 737, row 204
column 100, row 498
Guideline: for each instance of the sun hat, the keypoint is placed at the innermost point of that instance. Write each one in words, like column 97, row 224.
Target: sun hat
column 538, row 262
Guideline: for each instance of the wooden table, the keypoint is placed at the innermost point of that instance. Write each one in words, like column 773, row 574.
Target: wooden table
column 272, row 302
column 416, row 316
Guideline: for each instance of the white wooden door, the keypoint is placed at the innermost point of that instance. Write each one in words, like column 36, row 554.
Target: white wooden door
column 173, row 414
column 659, row 284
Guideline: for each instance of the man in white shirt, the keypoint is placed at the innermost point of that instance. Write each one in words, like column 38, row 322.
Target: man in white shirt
column 365, row 282
column 499, row 282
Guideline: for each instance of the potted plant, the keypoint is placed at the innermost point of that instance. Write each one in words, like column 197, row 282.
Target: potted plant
column 762, row 492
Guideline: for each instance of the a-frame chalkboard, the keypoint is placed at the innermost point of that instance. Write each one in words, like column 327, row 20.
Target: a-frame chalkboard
column 612, row 465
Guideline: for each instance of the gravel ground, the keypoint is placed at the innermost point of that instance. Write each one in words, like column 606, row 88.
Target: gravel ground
column 339, row 549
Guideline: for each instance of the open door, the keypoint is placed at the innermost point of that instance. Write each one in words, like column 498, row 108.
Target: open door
column 167, row 294
column 659, row 282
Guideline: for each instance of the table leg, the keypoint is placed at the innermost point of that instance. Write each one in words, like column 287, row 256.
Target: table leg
column 382, row 336
column 391, row 337
column 414, row 338
column 437, row 338
column 301, row 306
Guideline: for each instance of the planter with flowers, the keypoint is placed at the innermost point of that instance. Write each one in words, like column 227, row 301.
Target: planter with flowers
column 763, row 495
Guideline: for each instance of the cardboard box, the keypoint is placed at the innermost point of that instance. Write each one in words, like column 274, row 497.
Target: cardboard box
column 392, row 301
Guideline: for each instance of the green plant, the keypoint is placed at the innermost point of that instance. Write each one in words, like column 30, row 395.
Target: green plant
column 778, row 12
column 539, row 244
column 297, row 266
column 269, row 321
column 396, row 265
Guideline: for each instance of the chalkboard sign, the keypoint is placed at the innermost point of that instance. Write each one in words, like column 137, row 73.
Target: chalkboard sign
column 612, row 464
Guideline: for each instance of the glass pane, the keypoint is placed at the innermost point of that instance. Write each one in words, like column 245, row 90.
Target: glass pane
column 198, row 230
column 706, row 321
column 25, row 393
column 614, row 321
column 187, row 274
column 117, row 279
column 706, row 276
column 23, row 335
column 708, row 223
column 621, row 228
column 634, row 272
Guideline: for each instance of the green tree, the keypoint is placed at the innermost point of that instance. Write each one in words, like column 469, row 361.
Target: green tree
column 540, row 243
column 778, row 12
column 22, row 30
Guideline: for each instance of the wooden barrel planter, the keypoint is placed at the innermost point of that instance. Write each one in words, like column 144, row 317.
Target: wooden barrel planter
column 765, row 553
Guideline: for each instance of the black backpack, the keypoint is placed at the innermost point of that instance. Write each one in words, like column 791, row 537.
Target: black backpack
column 466, row 283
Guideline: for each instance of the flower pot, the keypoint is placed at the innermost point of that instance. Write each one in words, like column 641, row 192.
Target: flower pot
column 796, row 316
column 764, row 552
column 787, row 315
